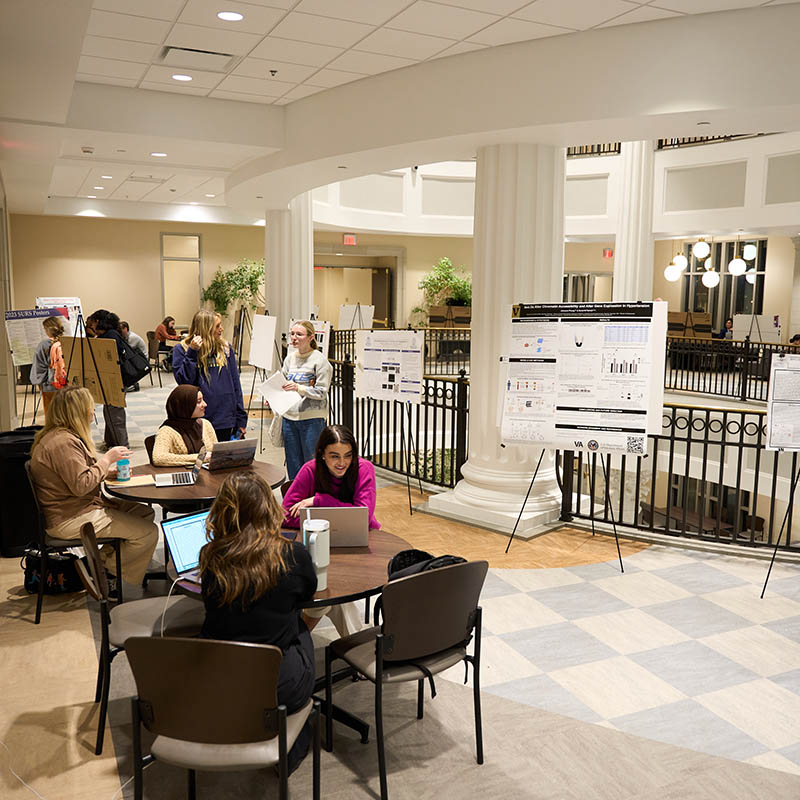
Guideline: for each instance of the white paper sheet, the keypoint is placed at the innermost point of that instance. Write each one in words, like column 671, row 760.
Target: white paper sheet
column 272, row 391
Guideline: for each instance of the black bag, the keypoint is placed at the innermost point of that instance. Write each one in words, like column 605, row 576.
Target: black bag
column 62, row 576
column 410, row 562
column 133, row 365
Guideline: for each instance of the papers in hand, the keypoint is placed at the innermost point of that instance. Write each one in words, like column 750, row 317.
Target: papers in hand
column 272, row 391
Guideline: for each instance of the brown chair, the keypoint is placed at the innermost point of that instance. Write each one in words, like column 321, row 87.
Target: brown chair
column 429, row 619
column 155, row 356
column 153, row 616
column 206, row 722
column 49, row 544
column 149, row 444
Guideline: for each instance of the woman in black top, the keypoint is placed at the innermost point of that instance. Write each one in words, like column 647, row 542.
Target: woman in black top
column 254, row 582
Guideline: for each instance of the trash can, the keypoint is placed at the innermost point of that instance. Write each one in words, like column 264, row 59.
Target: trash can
column 17, row 517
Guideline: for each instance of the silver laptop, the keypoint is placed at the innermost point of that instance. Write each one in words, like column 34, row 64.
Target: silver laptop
column 181, row 478
column 185, row 537
column 236, row 453
column 349, row 524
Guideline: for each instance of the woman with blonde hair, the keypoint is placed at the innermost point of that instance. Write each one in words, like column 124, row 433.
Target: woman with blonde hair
column 48, row 371
column 205, row 360
column 67, row 475
column 254, row 583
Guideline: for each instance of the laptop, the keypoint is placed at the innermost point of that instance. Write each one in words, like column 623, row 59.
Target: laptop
column 236, row 453
column 181, row 478
column 185, row 537
column 349, row 524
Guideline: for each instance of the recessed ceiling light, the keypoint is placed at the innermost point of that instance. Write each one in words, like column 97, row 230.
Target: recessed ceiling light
column 92, row 196
column 106, row 177
column 210, row 195
column 230, row 16
column 99, row 187
column 181, row 77
column 158, row 155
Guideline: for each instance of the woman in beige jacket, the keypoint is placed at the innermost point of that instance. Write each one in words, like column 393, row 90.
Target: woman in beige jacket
column 184, row 432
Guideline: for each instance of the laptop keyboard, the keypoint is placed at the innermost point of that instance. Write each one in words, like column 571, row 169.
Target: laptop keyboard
column 180, row 478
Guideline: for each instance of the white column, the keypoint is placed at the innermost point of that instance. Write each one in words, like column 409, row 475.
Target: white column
column 794, row 316
column 289, row 258
column 519, row 255
column 633, row 259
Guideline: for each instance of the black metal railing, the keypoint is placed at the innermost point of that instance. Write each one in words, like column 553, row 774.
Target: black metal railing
column 605, row 149
column 691, row 141
column 706, row 476
column 428, row 441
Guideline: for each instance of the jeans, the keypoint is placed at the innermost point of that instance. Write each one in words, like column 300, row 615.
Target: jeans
column 299, row 442
column 116, row 432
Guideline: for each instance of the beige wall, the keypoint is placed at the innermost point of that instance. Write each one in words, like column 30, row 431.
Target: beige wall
column 587, row 257
column 335, row 286
column 778, row 283
column 114, row 264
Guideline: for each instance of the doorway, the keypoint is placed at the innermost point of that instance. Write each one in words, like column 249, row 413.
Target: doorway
column 181, row 276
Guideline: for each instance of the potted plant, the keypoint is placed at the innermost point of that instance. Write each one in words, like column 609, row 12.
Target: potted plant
column 444, row 290
column 241, row 286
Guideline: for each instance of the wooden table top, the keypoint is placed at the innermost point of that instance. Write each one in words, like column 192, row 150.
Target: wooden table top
column 204, row 490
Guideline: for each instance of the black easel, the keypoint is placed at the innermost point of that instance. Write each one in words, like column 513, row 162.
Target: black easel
column 611, row 511
column 789, row 506
column 525, row 501
column 357, row 313
column 411, row 446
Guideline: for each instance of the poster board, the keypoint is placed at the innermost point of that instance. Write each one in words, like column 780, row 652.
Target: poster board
column 584, row 376
column 759, row 327
column 24, row 331
column 783, row 403
column 389, row 365
column 352, row 317
column 262, row 342
column 322, row 330
column 73, row 306
column 676, row 324
column 81, row 368
column 450, row 316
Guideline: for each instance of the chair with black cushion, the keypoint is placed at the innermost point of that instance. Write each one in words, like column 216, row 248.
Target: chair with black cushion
column 48, row 544
column 202, row 721
column 173, row 616
column 429, row 619
column 155, row 356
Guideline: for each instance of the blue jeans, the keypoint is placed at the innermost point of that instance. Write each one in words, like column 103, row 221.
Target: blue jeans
column 299, row 442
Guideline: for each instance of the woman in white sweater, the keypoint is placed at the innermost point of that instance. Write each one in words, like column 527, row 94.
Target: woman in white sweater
column 184, row 432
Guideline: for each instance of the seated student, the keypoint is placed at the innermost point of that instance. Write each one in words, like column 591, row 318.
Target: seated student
column 67, row 476
column 726, row 332
column 254, row 582
column 336, row 477
column 795, row 339
column 166, row 330
column 184, row 431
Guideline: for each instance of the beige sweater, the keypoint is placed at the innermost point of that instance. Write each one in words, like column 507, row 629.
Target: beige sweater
column 170, row 450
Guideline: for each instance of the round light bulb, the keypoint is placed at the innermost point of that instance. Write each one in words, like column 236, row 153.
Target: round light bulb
column 701, row 249
column 750, row 252
column 230, row 16
column 710, row 279
column 680, row 261
column 737, row 267
column 672, row 273
column 750, row 277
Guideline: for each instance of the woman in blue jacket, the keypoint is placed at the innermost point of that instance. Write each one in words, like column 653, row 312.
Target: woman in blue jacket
column 205, row 360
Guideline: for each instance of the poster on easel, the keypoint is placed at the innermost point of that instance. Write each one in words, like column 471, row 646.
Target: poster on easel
column 322, row 333
column 389, row 365
column 353, row 317
column 783, row 403
column 764, row 328
column 73, row 306
column 24, row 331
column 95, row 365
column 585, row 376
column 262, row 342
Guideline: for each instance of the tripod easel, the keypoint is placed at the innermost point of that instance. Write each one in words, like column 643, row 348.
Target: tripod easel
column 357, row 313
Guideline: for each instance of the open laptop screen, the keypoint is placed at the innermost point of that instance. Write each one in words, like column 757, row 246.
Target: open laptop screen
column 185, row 537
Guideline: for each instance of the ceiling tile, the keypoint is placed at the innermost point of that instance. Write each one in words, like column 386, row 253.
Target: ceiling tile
column 102, row 47
column 320, row 30
column 461, row 47
column 705, row 6
column 89, row 65
column 574, row 14
column 125, row 26
column 203, row 80
column 257, row 19
column 438, row 20
column 82, row 76
column 199, row 38
column 220, row 94
column 372, row 12
column 132, row 190
column 515, row 30
column 403, row 44
column 368, row 63
column 299, row 92
column 641, row 14
column 328, row 78
column 175, row 88
column 260, row 68
column 240, row 83
column 491, row 6
column 284, row 4
column 156, row 9
column 312, row 55
column 66, row 181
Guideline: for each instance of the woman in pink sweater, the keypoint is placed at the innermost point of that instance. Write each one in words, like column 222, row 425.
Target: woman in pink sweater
column 336, row 477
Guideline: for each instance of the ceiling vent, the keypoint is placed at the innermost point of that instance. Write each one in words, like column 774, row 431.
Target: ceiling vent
column 145, row 179
column 197, row 59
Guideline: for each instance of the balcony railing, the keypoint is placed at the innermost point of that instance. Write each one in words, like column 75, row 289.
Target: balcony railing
column 691, row 141
column 605, row 149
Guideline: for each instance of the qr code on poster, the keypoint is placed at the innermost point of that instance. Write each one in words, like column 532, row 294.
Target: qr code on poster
column 636, row 445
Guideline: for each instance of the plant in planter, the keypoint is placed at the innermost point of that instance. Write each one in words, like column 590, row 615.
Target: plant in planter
column 240, row 285
column 443, row 285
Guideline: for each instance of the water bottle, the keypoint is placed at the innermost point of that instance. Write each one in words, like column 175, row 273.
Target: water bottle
column 317, row 538
column 124, row 469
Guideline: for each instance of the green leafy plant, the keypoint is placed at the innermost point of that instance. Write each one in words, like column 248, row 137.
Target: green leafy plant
column 240, row 285
column 444, row 285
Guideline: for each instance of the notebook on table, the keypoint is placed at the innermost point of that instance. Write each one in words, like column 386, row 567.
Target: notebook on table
column 185, row 537
column 349, row 524
column 182, row 478
column 236, row 453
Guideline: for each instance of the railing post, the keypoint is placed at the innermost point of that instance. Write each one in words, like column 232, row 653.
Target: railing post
column 745, row 369
column 348, row 391
column 567, row 476
column 461, row 421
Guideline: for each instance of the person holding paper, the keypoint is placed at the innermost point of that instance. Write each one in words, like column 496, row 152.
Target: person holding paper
column 308, row 373
column 184, row 432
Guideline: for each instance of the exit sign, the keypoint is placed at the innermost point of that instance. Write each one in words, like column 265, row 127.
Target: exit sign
column 349, row 239
column 608, row 253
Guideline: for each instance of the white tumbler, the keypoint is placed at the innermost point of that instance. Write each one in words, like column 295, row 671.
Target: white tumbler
column 317, row 538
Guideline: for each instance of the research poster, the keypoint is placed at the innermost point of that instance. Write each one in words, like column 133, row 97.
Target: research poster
column 24, row 331
column 73, row 306
column 352, row 317
column 585, row 376
column 322, row 331
column 262, row 342
column 389, row 365
column 783, row 403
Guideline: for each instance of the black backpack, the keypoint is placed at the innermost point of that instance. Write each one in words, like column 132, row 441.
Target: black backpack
column 133, row 365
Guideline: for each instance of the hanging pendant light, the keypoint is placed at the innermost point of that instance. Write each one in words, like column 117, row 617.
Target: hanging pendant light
column 680, row 261
column 750, row 277
column 710, row 278
column 672, row 272
column 736, row 265
column 701, row 249
column 750, row 252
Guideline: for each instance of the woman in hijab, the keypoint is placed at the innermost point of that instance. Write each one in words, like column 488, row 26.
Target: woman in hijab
column 184, row 432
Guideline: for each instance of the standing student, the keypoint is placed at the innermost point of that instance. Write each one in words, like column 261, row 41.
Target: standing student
column 106, row 326
column 135, row 342
column 48, row 371
column 308, row 373
column 206, row 361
